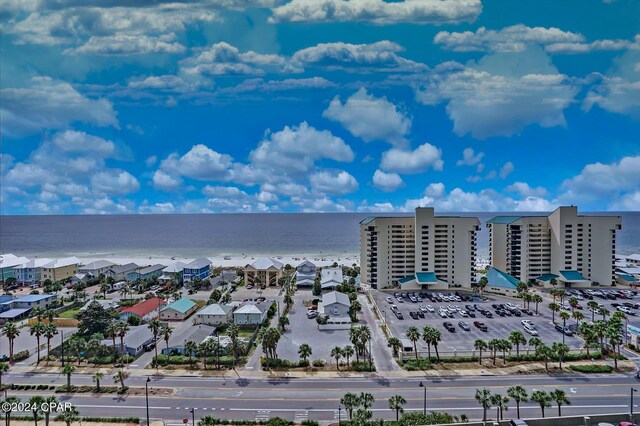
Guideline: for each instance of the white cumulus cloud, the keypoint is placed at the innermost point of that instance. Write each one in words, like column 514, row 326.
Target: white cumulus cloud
column 387, row 182
column 333, row 183
column 414, row 161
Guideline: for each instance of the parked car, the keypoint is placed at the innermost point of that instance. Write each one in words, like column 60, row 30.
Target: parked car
column 413, row 315
column 531, row 331
column 312, row 314
column 449, row 327
column 463, row 325
column 399, row 315
column 389, row 300
column 430, row 308
column 480, row 325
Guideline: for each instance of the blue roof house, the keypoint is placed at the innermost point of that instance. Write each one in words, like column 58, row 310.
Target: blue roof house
column 200, row 268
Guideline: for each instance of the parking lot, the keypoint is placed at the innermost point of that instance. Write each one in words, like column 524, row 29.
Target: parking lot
column 304, row 330
column 498, row 327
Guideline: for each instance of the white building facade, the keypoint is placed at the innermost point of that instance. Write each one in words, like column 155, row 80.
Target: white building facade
column 393, row 248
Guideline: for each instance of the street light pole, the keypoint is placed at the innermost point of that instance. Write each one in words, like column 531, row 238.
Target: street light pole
column 193, row 417
column 62, row 337
column 424, row 405
column 146, row 393
column 631, row 405
column 370, row 357
column 339, row 415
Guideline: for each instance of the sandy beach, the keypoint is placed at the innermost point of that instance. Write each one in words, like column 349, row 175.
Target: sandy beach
column 229, row 261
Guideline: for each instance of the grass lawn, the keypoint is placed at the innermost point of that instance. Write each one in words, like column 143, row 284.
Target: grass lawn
column 70, row 313
column 246, row 332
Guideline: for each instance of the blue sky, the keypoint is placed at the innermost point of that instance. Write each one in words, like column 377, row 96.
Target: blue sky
column 318, row 105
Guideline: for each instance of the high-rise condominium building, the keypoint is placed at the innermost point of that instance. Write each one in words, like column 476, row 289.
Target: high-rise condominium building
column 573, row 249
column 425, row 250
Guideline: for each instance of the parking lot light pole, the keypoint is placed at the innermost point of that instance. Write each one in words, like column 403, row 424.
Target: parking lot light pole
column 424, row 405
column 631, row 405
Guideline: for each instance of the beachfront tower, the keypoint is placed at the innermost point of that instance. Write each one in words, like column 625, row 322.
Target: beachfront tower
column 573, row 250
column 421, row 251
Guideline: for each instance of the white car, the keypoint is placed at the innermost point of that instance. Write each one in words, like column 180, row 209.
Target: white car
column 624, row 309
column 442, row 313
column 463, row 313
column 429, row 308
column 389, row 300
column 531, row 331
column 457, row 298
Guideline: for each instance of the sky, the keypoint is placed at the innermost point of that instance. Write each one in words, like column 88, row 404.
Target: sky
column 196, row 106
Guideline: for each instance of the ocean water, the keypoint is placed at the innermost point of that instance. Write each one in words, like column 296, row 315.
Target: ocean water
column 193, row 235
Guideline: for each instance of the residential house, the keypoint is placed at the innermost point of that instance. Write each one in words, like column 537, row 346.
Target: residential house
column 265, row 271
column 145, row 310
column 5, row 302
column 105, row 303
column 135, row 341
column 31, row 271
column 331, row 277
column 214, row 314
column 251, row 313
column 8, row 263
column 119, row 273
column 146, row 273
column 200, row 268
column 96, row 268
column 60, row 269
column 14, row 315
column 178, row 310
column 34, row 301
column 198, row 335
column 335, row 305
column 80, row 278
column 173, row 272
column 306, row 274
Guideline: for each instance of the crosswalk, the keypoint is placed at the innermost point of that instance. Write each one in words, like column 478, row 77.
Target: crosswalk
column 263, row 415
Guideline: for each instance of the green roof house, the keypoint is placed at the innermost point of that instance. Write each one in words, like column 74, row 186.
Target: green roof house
column 178, row 310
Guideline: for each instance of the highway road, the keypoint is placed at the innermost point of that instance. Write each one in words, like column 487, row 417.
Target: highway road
column 318, row 399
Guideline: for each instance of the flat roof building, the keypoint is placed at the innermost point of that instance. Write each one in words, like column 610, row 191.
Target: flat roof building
column 392, row 249
column 574, row 250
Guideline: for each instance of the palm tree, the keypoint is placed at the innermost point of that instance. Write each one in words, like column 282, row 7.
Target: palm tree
column 433, row 336
column 112, row 331
column 542, row 398
column 120, row 377
column 482, row 284
column 36, row 407
column 154, row 326
column 518, row 394
column 69, row 415
column 9, row 401
column 483, row 396
column 480, row 345
column 564, row 316
column 600, row 330
column 545, row 352
column 37, row 329
column 122, row 328
column 354, row 337
column 166, row 335
column 535, row 342
column 50, row 330
column 366, row 400
column 396, row 403
column 68, row 369
column 11, row 331
column 573, row 301
column 613, row 334
column 97, row 376
column 350, row 401
column 504, row 345
column 413, row 334
column 305, row 351
column 395, row 344
column 190, row 348
column 517, row 338
column 500, row 402
column 493, row 347
column 604, row 312
column 588, row 335
column 283, row 321
column 537, row 299
column 204, row 350
column 49, row 401
column 559, row 397
column 561, row 350
column 554, row 308
column 578, row 316
column 593, row 306
column 234, row 332
column 104, row 288
column 336, row 353
column 347, row 352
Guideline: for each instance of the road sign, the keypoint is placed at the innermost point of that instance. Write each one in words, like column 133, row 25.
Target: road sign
column 185, row 421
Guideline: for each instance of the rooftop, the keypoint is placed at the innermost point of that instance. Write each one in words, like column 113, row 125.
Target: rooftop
column 181, row 305
column 14, row 313
column 503, row 219
column 572, row 276
column 199, row 263
column 34, row 297
column 66, row 261
column 546, row 277
column 498, row 278
column 152, row 268
column 124, row 268
column 426, row 277
column 98, row 264
column 35, row 263
column 335, row 297
column 215, row 309
column 266, row 263
column 199, row 333
column 252, row 308
column 145, row 307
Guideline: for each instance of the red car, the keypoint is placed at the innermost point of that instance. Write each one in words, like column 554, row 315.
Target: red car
column 576, row 306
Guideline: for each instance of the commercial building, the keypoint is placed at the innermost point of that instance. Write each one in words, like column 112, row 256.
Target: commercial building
column 394, row 249
column 573, row 250
column 60, row 269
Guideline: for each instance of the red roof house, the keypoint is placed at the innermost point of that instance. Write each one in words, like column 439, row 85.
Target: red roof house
column 143, row 310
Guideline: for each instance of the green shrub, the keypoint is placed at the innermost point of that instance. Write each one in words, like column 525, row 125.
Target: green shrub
column 592, row 368
column 309, row 423
column 21, row 356
column 413, row 364
column 278, row 421
column 318, row 363
column 362, row 366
